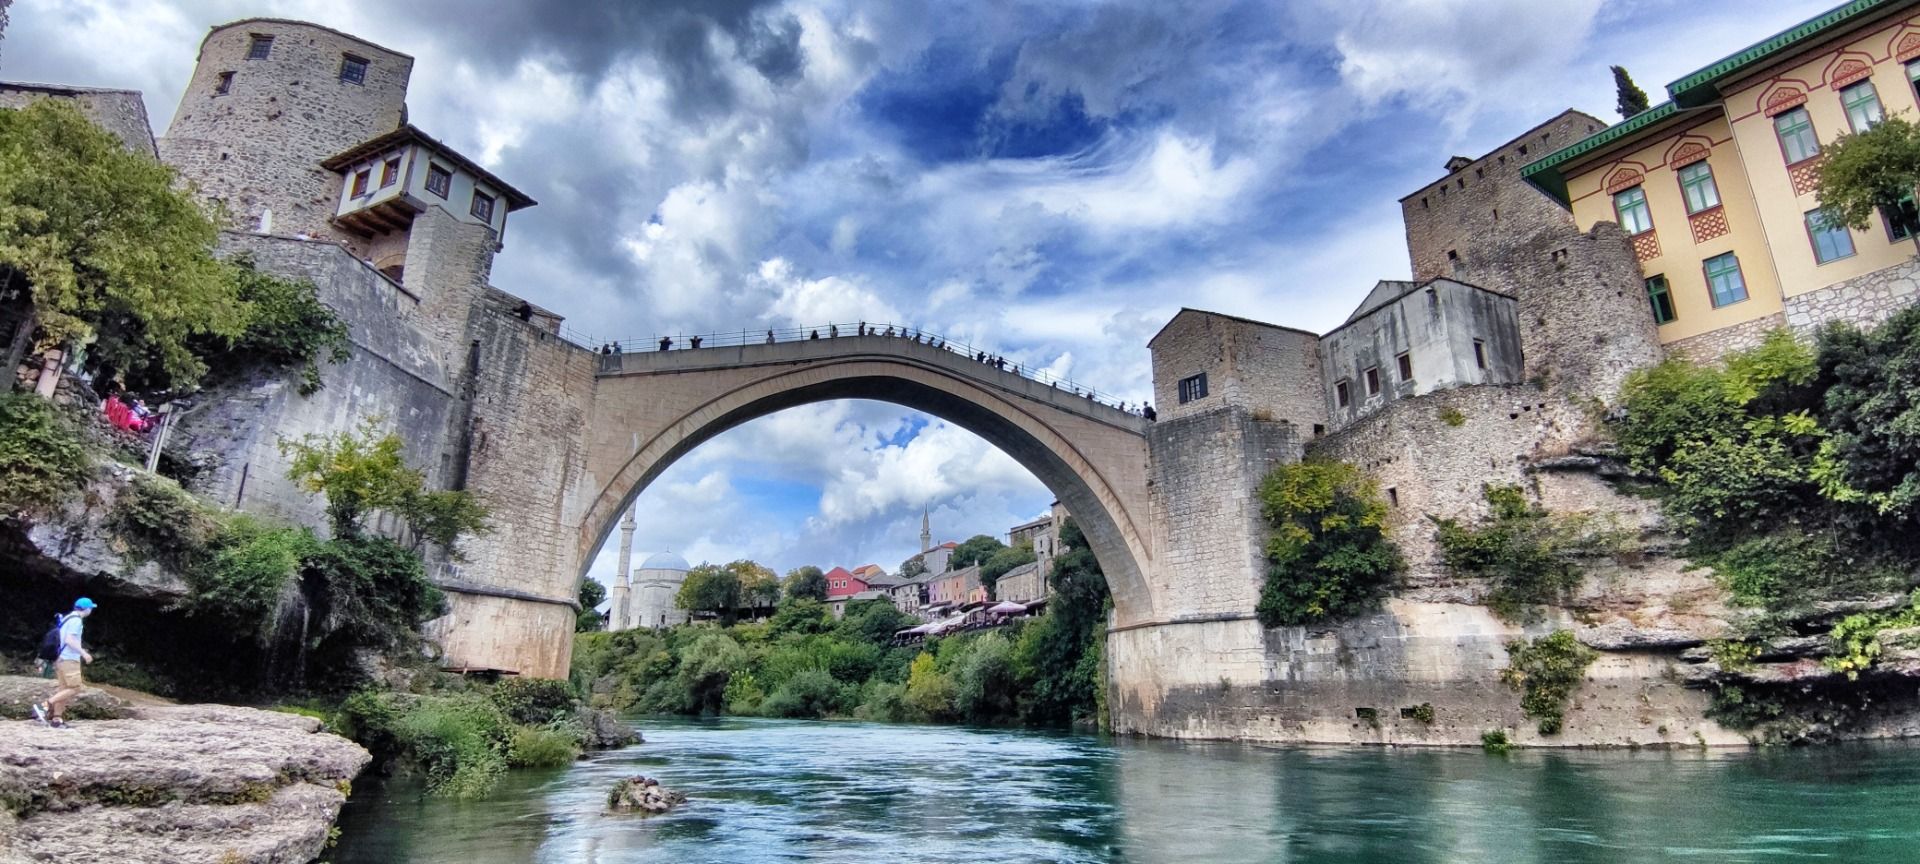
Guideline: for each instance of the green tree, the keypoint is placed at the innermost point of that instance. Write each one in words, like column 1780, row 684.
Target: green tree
column 287, row 326
column 1329, row 556
column 929, row 692
column 977, row 549
column 1629, row 99
column 1872, row 414
column 710, row 588
column 912, row 567
column 759, row 586
column 362, row 471
column 43, row 459
column 807, row 581
column 801, row 615
column 873, row 621
column 1060, row 656
column 592, row 594
column 1002, row 562
column 1864, row 173
column 113, row 254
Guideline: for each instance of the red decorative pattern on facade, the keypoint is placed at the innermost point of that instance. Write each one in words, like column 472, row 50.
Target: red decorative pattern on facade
column 1646, row 246
column 1908, row 49
column 1708, row 224
column 1805, row 175
column 1689, row 153
column 1783, row 100
column 1627, row 178
column 1850, row 71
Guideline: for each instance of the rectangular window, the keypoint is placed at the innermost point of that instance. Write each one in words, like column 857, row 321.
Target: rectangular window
column 1913, row 77
column 1863, row 105
column 1480, row 353
column 1903, row 222
column 360, row 182
column 1830, row 242
column 353, row 70
column 389, row 173
column 1631, row 206
column 482, row 208
column 224, row 85
column 1406, row 366
column 261, row 46
column 1373, row 381
column 1193, row 387
column 1696, row 183
column 439, row 180
column 1661, row 299
column 1797, row 142
column 1724, row 282
column 1342, row 394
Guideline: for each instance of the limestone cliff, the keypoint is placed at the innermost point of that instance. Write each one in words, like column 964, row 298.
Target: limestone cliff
column 167, row 784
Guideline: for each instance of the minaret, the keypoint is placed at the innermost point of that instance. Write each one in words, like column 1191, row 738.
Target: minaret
column 617, row 612
column 926, row 530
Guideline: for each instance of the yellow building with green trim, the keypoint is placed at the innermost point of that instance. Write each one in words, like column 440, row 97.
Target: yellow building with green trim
column 1716, row 187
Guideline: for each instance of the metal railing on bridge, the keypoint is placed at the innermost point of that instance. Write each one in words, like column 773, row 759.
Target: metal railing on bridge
column 737, row 338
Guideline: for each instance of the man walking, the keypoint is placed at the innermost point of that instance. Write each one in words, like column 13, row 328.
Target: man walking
column 66, row 670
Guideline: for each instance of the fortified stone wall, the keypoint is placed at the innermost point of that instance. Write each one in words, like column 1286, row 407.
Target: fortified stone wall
column 1863, row 301
column 258, row 146
column 1584, row 323
column 1203, row 493
column 233, row 433
column 1482, row 207
column 121, row 112
column 530, row 396
column 1271, row 371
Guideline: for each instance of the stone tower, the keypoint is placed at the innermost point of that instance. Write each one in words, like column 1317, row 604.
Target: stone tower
column 269, row 101
column 617, row 612
column 926, row 530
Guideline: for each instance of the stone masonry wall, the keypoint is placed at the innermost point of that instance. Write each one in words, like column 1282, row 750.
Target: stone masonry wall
column 1584, row 320
column 1206, row 471
column 121, row 112
column 394, row 373
column 259, row 146
column 1863, row 301
column 1274, row 371
column 1711, row 346
column 1483, row 208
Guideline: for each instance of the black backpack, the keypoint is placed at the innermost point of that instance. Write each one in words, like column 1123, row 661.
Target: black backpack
column 50, row 643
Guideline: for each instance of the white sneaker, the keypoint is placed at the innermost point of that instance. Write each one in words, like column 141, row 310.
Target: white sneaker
column 40, row 713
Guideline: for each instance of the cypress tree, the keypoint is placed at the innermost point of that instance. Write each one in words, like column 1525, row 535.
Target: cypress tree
column 1630, row 99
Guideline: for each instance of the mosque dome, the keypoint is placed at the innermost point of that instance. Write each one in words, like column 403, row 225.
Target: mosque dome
column 665, row 561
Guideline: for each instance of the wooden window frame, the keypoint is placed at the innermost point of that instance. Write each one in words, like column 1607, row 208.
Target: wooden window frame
column 224, row 85
column 1343, row 393
column 474, row 207
column 1813, row 134
column 1659, row 295
column 1813, row 238
column 1373, row 380
column 446, row 187
column 1404, row 361
column 1192, row 388
column 1894, row 224
column 389, row 172
column 1646, row 210
column 362, row 180
column 1700, row 180
column 1847, row 105
column 1713, row 296
column 359, row 66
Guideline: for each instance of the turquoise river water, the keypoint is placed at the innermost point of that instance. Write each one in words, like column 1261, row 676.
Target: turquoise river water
column 781, row 791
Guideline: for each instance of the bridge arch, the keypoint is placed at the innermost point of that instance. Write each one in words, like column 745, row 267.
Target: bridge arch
column 651, row 409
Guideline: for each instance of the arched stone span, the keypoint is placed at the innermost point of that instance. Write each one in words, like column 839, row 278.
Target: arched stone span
column 650, row 409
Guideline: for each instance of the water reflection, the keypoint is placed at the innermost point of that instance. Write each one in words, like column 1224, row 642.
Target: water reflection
column 767, row 791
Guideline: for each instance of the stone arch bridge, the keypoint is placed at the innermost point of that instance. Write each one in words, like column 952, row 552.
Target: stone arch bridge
column 565, row 438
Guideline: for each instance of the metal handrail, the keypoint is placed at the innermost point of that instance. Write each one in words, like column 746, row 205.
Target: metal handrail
column 733, row 339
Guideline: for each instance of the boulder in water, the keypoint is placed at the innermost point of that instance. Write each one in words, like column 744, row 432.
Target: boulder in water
column 605, row 730
column 639, row 794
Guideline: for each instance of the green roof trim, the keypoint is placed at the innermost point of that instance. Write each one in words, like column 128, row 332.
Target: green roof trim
column 1697, row 88
column 1544, row 172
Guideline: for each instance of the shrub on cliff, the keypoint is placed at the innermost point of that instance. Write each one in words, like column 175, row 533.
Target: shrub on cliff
column 1531, row 556
column 364, row 471
column 43, row 459
column 1328, row 556
column 1546, row 671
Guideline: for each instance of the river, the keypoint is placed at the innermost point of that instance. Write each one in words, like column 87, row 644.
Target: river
column 771, row 790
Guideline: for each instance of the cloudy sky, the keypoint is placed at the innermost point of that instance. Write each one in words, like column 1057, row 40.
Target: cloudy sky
column 1051, row 179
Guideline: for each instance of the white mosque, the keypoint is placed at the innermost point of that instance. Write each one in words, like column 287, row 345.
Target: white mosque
column 645, row 599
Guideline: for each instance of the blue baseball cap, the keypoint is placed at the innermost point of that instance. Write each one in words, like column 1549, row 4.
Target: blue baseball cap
column 83, row 603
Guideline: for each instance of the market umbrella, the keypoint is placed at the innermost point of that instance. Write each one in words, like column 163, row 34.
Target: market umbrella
column 1007, row 607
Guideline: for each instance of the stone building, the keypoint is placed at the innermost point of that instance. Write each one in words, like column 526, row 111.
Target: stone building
column 1716, row 188
column 655, row 585
column 1413, row 338
column 121, row 112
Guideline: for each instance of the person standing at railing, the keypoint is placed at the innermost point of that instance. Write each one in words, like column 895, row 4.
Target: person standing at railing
column 695, row 341
column 769, row 337
column 666, row 343
column 833, row 331
column 616, row 348
column 814, row 335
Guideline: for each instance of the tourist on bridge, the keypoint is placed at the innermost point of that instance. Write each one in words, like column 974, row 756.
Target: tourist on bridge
column 833, row 331
column 666, row 343
column 769, row 337
column 863, row 328
column 889, row 330
column 605, row 348
column 1148, row 411
column 616, row 348
column 814, row 335
column 695, row 341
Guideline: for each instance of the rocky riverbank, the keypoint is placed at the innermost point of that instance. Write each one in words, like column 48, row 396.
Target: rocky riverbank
column 166, row 784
